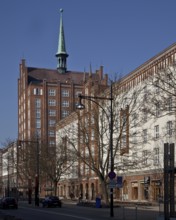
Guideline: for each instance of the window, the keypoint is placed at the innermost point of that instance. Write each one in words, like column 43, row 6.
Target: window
column 65, row 113
column 156, row 131
column 38, row 113
column 169, row 104
column 52, row 123
column 124, row 121
column 38, row 132
column 145, row 97
column 144, row 157
column 134, row 119
column 86, row 169
column 38, row 103
column 52, row 102
column 92, row 119
column 51, row 143
column 169, row 128
column 134, row 156
column 123, row 145
column 145, row 115
column 38, row 123
column 51, row 133
column 158, row 109
column 156, row 156
column 145, row 135
column 37, row 91
column 125, row 102
column 170, row 80
column 65, row 103
column 52, row 112
column 51, row 92
column 157, row 88
column 134, row 138
column 65, row 93
column 92, row 135
column 145, row 89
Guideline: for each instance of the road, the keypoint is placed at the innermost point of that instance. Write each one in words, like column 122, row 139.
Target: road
column 74, row 212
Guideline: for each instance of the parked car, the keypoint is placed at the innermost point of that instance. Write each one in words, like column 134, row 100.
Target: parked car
column 8, row 202
column 52, row 201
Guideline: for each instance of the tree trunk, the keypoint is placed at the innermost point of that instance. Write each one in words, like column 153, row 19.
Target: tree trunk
column 55, row 188
column 104, row 190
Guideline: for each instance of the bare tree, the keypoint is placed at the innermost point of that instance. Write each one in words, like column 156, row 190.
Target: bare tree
column 55, row 161
column 91, row 139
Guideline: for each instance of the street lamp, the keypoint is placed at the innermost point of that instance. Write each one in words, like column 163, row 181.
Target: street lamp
column 81, row 106
column 37, row 172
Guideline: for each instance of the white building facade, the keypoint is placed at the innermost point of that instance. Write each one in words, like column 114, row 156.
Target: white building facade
column 143, row 120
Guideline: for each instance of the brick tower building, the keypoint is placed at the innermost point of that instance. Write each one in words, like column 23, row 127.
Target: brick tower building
column 45, row 96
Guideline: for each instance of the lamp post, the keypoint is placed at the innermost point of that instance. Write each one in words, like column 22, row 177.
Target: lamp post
column 37, row 178
column 37, row 172
column 81, row 106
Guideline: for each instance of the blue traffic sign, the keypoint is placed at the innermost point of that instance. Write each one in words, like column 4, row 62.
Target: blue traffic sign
column 112, row 175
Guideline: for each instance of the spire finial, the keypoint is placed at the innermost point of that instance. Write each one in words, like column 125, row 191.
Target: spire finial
column 61, row 52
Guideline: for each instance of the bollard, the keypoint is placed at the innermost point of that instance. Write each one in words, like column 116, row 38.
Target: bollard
column 136, row 212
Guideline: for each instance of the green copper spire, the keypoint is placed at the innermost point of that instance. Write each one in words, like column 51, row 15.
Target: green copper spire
column 61, row 53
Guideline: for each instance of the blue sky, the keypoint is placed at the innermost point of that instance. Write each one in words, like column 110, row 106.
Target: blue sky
column 118, row 34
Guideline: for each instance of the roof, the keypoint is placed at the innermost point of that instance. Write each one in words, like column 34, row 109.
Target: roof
column 40, row 74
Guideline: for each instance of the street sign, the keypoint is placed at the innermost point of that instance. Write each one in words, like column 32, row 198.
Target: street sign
column 112, row 175
column 119, row 181
column 112, row 184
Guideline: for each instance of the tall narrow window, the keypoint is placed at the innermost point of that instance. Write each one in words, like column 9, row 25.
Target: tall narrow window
column 38, row 103
column 157, row 109
column 157, row 88
column 156, row 131
column 38, row 113
column 145, row 136
column 170, row 80
column 169, row 128
column 144, row 157
column 169, row 104
column 134, row 119
column 156, row 156
column 134, row 138
column 124, row 139
column 145, row 115
column 38, row 123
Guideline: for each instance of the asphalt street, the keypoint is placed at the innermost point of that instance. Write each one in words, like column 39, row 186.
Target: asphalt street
column 70, row 211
